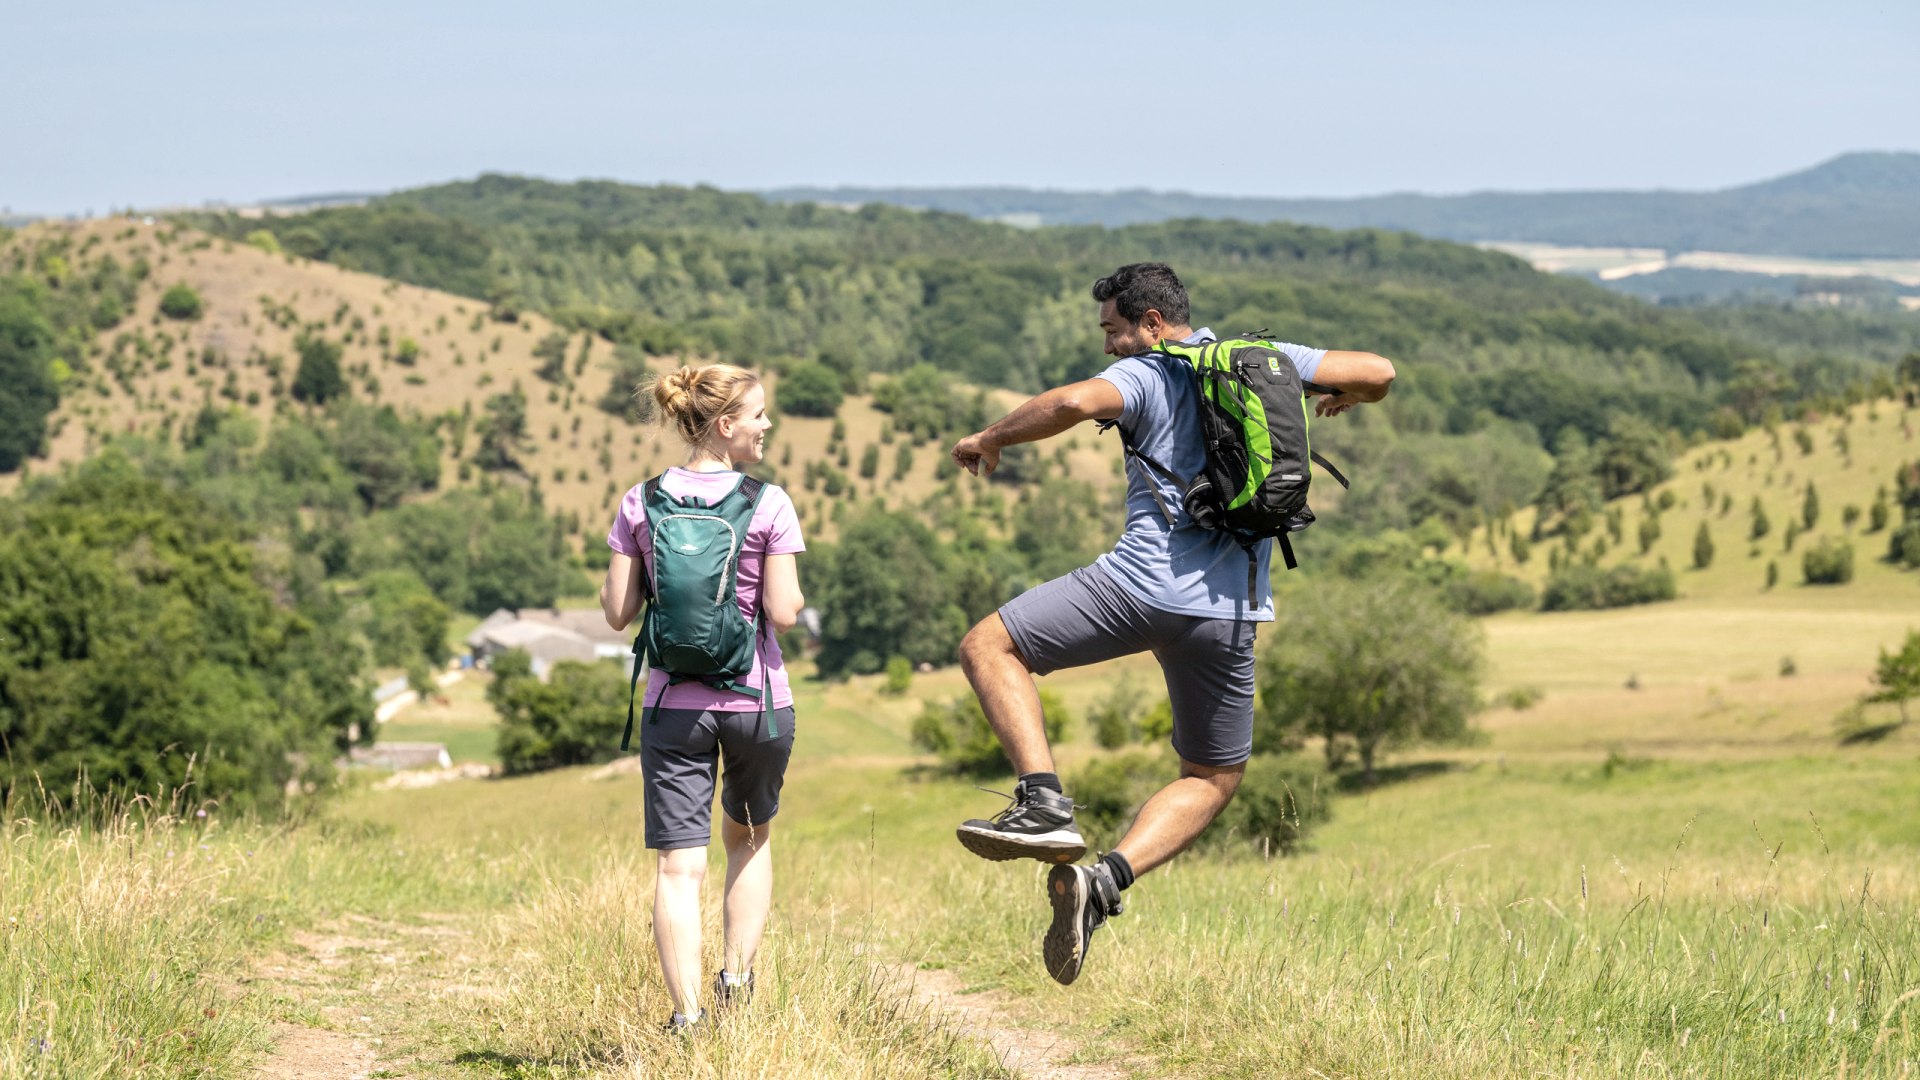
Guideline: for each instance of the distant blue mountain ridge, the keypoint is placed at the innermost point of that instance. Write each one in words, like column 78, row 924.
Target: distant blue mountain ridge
column 1859, row 205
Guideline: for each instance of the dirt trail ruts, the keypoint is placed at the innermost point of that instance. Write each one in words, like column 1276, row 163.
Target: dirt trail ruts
column 356, row 976
column 309, row 1053
column 988, row 1017
column 347, row 985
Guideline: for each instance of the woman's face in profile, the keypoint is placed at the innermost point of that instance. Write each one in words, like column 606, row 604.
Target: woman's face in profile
column 747, row 438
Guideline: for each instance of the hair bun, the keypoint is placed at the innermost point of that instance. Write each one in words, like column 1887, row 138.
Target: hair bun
column 672, row 391
column 695, row 398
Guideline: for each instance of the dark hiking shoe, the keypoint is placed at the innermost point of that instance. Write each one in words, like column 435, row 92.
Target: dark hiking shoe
column 1039, row 825
column 1083, row 897
column 731, row 995
column 689, row 1026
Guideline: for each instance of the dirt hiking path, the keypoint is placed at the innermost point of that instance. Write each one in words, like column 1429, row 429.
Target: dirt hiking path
column 987, row 1017
column 350, row 986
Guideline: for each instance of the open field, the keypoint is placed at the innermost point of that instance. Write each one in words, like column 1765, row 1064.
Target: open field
column 460, row 718
column 1689, row 879
column 1614, row 263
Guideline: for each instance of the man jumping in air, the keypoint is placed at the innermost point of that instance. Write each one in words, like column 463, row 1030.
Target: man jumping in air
column 1174, row 588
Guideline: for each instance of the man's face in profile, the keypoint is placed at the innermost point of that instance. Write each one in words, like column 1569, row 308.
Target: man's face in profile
column 1128, row 339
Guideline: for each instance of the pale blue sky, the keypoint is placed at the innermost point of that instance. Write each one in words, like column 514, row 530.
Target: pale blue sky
column 107, row 105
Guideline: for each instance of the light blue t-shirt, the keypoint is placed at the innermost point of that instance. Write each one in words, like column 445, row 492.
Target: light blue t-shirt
column 1182, row 568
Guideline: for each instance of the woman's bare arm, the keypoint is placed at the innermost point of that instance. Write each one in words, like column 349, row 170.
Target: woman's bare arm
column 620, row 593
column 780, row 592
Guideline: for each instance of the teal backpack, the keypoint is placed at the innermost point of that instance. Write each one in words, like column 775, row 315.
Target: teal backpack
column 693, row 629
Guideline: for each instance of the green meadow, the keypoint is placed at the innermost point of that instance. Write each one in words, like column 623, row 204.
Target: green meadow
column 1657, row 857
column 1691, row 878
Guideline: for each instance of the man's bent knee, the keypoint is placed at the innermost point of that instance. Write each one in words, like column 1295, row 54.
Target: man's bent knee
column 1223, row 779
column 986, row 642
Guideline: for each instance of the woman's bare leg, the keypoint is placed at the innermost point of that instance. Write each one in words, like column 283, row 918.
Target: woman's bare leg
column 676, row 923
column 749, row 891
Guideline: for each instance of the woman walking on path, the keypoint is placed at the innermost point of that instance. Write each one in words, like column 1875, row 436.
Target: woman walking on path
column 741, row 727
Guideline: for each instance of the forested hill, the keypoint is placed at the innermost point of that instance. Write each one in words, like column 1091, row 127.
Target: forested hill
column 678, row 270
column 1863, row 205
column 1498, row 358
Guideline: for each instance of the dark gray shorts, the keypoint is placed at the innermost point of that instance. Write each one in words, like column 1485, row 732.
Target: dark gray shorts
column 679, row 752
column 1084, row 618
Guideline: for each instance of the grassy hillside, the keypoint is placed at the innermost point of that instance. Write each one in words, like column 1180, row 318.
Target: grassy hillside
column 1850, row 458
column 1497, row 358
column 150, row 374
column 1731, row 668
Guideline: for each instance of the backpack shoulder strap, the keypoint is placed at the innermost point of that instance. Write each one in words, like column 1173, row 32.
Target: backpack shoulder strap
column 649, row 495
column 747, row 491
column 1127, row 448
column 751, row 488
column 1328, row 465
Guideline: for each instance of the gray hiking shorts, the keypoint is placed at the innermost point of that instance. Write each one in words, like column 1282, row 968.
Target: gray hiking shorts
column 680, row 749
column 1084, row 618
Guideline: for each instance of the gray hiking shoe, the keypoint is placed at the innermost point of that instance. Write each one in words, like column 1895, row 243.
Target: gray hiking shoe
column 1039, row 825
column 1083, row 897
column 686, row 1026
column 731, row 995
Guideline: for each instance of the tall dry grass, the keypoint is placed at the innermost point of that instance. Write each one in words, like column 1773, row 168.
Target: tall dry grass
column 581, row 990
column 118, row 934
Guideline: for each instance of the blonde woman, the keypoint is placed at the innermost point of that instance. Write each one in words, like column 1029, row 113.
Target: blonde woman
column 694, row 725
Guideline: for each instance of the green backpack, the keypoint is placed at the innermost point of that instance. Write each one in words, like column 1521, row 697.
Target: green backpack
column 1253, row 420
column 693, row 629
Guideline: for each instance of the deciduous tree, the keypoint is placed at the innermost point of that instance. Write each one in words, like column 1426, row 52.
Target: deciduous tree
column 1369, row 665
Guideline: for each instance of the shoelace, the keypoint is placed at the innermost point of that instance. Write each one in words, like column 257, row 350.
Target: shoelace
column 1013, row 804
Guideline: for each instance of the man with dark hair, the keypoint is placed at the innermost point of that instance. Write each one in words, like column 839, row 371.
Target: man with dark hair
column 1138, row 288
column 1171, row 587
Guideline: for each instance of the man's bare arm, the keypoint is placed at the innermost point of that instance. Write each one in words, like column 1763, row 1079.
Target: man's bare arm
column 1039, row 417
column 1358, row 376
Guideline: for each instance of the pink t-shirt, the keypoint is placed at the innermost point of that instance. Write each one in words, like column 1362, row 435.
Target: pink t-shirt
column 774, row 530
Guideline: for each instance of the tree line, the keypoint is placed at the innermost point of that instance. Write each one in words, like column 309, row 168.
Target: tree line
column 204, row 609
column 1500, row 360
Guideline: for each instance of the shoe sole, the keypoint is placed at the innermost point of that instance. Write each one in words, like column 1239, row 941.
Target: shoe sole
column 1000, row 847
column 1064, row 947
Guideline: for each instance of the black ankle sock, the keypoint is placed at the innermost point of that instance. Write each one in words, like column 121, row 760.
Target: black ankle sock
column 1119, row 867
column 1050, row 781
